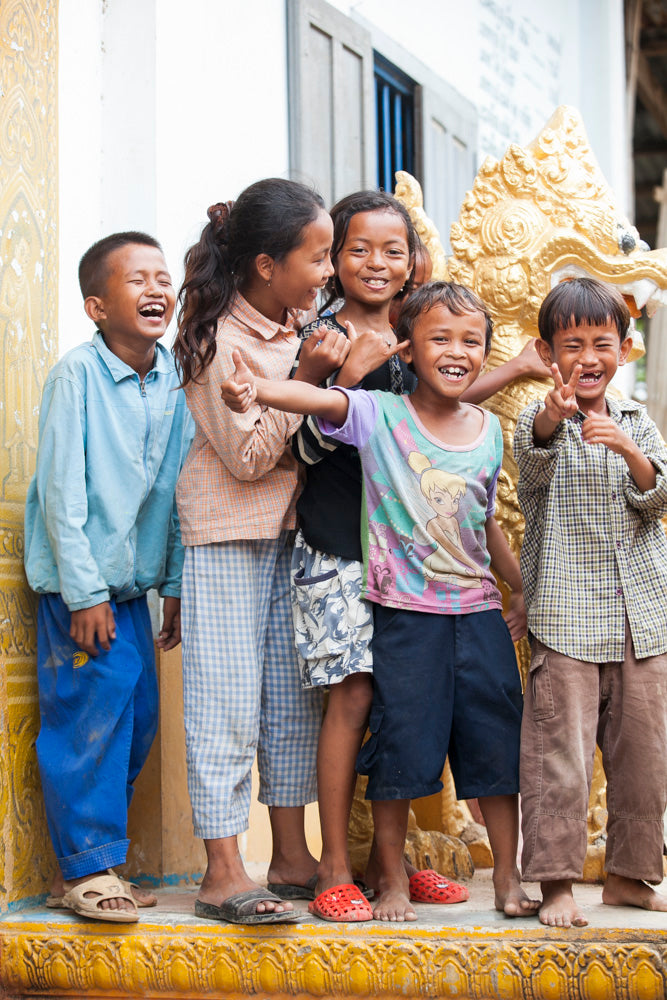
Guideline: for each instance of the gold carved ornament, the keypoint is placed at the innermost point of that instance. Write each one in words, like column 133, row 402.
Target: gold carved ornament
column 28, row 320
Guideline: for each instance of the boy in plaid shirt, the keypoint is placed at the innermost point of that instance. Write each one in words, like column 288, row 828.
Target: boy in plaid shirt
column 593, row 488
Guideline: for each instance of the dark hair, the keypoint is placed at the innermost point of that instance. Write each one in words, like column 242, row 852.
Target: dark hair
column 341, row 214
column 94, row 265
column 268, row 217
column 579, row 301
column 457, row 298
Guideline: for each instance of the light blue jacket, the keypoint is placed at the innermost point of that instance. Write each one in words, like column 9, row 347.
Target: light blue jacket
column 100, row 517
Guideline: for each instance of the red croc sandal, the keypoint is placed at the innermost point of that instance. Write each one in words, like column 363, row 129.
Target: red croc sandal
column 342, row 903
column 429, row 886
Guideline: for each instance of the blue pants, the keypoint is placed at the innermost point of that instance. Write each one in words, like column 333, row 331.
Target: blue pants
column 98, row 721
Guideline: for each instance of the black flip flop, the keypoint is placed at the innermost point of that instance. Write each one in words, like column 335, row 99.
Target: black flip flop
column 242, row 909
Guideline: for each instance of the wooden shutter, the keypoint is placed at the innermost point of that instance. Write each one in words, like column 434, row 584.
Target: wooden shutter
column 449, row 162
column 331, row 103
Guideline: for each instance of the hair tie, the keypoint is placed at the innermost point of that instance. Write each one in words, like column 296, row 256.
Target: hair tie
column 219, row 213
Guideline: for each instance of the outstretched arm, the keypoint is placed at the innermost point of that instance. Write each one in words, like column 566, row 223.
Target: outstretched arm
column 526, row 364
column 242, row 389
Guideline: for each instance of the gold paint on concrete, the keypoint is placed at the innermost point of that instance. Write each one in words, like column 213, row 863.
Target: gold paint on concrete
column 28, row 320
column 505, row 961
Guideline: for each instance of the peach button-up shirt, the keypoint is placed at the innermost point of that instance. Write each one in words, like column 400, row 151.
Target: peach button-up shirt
column 239, row 480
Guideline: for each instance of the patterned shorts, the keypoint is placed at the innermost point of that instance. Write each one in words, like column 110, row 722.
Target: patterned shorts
column 333, row 625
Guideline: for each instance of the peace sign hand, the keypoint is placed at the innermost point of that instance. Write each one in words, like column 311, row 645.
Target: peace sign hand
column 561, row 401
column 559, row 404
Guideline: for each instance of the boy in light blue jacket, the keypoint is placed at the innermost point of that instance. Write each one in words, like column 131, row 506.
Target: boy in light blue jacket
column 101, row 529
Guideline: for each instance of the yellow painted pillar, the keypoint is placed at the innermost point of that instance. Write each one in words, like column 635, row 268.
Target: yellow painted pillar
column 28, row 323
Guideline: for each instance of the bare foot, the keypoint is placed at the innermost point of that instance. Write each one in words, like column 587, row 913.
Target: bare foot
column 621, row 891
column 211, row 891
column 392, row 900
column 282, row 874
column 142, row 897
column 330, row 878
column 558, row 907
column 372, row 874
column 510, row 898
column 114, row 903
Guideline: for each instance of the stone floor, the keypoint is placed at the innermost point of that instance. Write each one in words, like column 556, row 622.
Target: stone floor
column 176, row 908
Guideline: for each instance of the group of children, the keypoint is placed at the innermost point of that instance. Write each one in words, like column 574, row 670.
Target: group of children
column 387, row 597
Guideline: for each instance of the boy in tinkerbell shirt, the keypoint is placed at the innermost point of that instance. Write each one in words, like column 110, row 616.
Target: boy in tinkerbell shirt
column 442, row 652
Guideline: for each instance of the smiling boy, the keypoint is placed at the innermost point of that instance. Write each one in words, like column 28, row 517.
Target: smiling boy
column 593, row 488
column 101, row 529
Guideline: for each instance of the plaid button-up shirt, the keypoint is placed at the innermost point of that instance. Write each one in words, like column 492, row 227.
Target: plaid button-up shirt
column 240, row 479
column 595, row 549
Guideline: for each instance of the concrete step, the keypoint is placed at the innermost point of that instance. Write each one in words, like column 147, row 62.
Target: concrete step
column 467, row 950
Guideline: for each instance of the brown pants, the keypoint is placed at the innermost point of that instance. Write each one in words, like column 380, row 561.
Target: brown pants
column 569, row 704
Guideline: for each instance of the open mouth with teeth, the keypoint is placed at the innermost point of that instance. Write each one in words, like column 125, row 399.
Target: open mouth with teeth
column 590, row 378
column 154, row 310
column 376, row 282
column 453, row 372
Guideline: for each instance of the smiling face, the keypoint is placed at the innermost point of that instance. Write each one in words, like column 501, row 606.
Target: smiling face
column 297, row 278
column 442, row 502
column 599, row 351
column 137, row 301
column 374, row 261
column 447, row 351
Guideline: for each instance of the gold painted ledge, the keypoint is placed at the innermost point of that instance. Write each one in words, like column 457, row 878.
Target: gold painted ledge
column 459, row 952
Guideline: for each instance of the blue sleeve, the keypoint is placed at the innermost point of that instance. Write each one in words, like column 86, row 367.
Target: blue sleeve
column 62, row 495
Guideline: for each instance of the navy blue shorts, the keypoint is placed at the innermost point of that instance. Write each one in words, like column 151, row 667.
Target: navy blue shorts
column 442, row 684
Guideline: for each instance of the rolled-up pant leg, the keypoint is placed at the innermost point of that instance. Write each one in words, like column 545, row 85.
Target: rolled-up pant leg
column 633, row 739
column 560, row 719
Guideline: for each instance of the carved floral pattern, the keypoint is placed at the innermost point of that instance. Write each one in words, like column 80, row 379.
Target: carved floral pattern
column 28, row 312
column 347, row 962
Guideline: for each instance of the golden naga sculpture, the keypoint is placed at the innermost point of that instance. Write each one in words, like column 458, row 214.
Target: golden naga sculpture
column 539, row 215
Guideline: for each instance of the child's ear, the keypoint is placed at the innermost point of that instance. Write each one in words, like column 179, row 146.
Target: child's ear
column 405, row 354
column 544, row 351
column 94, row 307
column 624, row 351
column 265, row 265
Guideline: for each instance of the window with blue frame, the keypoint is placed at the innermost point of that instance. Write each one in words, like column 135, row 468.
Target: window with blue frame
column 395, row 117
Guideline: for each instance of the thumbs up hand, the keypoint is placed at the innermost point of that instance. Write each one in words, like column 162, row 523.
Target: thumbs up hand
column 238, row 392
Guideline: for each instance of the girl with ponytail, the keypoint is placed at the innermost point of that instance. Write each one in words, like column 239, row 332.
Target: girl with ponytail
column 250, row 283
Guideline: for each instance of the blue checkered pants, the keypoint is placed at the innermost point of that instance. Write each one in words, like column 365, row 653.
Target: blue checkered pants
column 242, row 690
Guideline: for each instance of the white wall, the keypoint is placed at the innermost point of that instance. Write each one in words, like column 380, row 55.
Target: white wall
column 164, row 108
column 517, row 60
